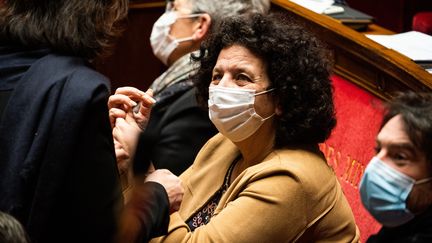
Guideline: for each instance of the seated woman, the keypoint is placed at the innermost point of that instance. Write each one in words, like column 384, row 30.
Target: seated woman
column 263, row 178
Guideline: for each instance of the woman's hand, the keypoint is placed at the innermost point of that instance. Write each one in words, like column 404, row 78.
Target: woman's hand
column 131, row 100
column 125, row 133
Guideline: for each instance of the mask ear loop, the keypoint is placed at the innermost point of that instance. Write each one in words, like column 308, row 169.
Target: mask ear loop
column 264, row 92
column 422, row 181
column 190, row 16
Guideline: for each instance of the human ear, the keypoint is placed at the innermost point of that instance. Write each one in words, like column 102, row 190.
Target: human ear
column 202, row 27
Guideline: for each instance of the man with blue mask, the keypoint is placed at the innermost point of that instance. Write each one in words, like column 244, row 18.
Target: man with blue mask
column 178, row 126
column 396, row 187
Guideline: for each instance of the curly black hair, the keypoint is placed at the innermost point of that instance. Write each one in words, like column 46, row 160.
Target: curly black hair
column 298, row 66
column 416, row 112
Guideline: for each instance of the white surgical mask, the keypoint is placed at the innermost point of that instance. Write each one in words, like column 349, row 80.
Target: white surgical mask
column 232, row 112
column 384, row 192
column 161, row 42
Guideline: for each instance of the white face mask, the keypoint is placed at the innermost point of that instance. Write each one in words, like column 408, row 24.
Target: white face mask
column 161, row 42
column 232, row 112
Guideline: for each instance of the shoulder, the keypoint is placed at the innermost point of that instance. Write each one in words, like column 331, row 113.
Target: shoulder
column 69, row 82
column 297, row 162
column 80, row 81
column 305, row 170
column 215, row 145
column 69, row 69
column 214, row 157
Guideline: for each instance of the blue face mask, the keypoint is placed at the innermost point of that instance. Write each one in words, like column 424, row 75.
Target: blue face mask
column 384, row 192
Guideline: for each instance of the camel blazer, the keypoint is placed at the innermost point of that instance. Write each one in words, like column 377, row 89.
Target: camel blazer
column 291, row 196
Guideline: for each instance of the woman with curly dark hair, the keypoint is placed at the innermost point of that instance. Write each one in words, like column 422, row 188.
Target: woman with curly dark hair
column 263, row 178
column 58, row 173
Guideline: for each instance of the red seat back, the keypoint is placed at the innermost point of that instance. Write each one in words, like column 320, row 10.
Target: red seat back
column 422, row 22
column 351, row 144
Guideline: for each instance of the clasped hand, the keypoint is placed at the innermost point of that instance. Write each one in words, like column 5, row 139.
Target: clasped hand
column 129, row 112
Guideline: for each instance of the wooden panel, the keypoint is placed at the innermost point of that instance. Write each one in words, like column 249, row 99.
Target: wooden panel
column 133, row 62
column 359, row 59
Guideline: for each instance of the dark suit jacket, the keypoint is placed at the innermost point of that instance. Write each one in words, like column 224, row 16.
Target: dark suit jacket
column 177, row 129
column 58, row 174
column 418, row 230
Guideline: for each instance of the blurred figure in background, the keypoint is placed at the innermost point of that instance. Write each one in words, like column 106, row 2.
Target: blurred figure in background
column 396, row 187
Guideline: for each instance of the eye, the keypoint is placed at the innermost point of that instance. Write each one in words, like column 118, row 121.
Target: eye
column 243, row 77
column 216, row 77
column 399, row 156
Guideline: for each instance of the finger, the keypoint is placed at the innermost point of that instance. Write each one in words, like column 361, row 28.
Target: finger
column 119, row 101
column 117, row 131
column 115, row 113
column 148, row 96
column 117, row 144
column 121, row 155
column 120, row 124
column 149, row 92
column 130, row 91
column 145, row 105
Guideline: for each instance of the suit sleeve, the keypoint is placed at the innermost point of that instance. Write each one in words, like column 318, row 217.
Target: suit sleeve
column 146, row 215
column 93, row 201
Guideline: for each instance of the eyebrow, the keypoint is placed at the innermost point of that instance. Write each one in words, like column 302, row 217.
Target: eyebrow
column 236, row 69
column 403, row 145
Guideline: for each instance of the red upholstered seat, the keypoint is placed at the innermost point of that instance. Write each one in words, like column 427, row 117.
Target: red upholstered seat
column 422, row 22
column 351, row 144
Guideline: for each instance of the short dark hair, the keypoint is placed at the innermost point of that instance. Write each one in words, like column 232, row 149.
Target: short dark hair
column 416, row 112
column 82, row 28
column 298, row 66
column 11, row 231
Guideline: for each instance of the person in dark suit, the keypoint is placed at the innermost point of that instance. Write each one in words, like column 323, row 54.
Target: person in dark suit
column 58, row 173
column 178, row 126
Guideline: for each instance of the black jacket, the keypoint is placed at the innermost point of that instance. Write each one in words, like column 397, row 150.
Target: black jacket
column 177, row 129
column 418, row 230
column 58, row 174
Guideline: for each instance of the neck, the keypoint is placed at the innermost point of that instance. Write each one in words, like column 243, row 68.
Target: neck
column 255, row 148
column 180, row 52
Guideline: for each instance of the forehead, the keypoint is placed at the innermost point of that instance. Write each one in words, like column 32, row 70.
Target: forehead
column 238, row 56
column 394, row 131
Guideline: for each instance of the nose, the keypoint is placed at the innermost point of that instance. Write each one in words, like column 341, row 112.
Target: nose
column 226, row 81
column 382, row 154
